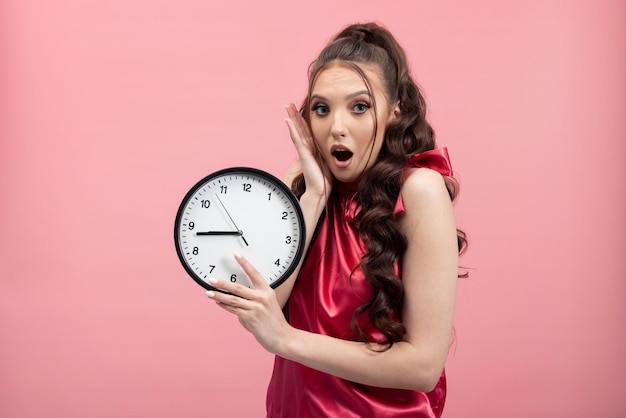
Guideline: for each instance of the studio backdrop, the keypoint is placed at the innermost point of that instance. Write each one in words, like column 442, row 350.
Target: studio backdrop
column 111, row 110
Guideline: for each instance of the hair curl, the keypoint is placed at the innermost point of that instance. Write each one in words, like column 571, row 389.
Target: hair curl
column 379, row 186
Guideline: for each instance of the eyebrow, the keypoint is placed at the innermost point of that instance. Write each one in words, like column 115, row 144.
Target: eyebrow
column 348, row 97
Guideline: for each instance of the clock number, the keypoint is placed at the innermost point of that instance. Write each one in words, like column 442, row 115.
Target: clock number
column 277, row 262
column 223, row 189
column 269, row 196
column 212, row 267
column 247, row 187
column 288, row 239
column 195, row 251
column 233, row 278
column 205, row 203
column 284, row 216
column 191, row 225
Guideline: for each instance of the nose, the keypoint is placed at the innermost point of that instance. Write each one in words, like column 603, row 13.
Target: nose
column 338, row 127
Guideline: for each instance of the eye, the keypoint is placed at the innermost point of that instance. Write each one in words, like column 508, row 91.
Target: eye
column 319, row 109
column 361, row 107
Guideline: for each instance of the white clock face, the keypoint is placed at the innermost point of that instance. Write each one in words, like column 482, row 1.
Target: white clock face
column 244, row 210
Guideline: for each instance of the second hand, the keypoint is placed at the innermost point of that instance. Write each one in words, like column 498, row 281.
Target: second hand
column 231, row 219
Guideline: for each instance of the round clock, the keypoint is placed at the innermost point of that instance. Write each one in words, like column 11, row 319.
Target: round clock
column 245, row 210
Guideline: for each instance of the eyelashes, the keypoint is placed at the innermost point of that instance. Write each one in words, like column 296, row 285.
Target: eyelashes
column 361, row 107
column 322, row 109
column 319, row 109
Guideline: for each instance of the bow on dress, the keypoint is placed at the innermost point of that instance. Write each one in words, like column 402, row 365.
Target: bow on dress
column 436, row 159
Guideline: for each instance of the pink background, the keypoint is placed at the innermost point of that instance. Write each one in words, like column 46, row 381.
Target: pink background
column 111, row 110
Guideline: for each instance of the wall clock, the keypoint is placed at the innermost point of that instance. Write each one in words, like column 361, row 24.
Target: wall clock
column 239, row 209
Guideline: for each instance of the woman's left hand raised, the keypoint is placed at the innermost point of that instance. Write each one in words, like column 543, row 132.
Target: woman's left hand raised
column 257, row 309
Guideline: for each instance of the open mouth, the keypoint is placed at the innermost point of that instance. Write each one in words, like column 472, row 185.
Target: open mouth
column 342, row 154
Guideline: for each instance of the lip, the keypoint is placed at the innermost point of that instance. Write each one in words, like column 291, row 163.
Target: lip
column 340, row 163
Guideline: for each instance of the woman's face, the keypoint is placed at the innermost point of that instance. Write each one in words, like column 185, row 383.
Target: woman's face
column 342, row 119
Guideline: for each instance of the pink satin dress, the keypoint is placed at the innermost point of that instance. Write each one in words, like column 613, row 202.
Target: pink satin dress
column 323, row 301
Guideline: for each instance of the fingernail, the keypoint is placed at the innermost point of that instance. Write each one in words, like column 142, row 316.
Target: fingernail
column 237, row 255
column 210, row 293
column 212, row 280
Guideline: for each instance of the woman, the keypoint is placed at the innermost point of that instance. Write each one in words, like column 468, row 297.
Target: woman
column 363, row 328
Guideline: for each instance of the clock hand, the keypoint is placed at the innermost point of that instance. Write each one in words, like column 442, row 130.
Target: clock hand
column 240, row 233
column 231, row 219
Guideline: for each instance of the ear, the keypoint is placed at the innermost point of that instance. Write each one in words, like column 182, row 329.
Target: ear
column 395, row 112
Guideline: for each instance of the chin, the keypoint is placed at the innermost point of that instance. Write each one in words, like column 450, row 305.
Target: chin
column 345, row 177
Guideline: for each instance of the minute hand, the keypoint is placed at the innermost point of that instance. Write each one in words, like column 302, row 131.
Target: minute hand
column 231, row 219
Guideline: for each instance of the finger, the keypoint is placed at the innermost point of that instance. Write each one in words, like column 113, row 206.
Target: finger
column 255, row 277
column 228, row 308
column 297, row 133
column 294, row 134
column 229, row 302
column 302, row 141
column 297, row 124
column 292, row 110
column 232, row 289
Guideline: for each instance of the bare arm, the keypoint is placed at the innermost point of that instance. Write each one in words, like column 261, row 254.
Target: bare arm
column 312, row 207
column 429, row 276
column 318, row 183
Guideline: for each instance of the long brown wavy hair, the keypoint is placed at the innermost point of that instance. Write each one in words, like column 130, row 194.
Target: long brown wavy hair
column 379, row 186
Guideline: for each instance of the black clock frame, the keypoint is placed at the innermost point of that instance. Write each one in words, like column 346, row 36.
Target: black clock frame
column 241, row 171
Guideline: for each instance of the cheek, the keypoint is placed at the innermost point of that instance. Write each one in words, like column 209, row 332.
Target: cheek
column 380, row 137
column 364, row 132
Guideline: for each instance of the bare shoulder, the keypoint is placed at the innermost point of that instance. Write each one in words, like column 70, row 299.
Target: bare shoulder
column 428, row 210
column 424, row 186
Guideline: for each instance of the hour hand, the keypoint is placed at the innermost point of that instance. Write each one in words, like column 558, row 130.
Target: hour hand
column 240, row 233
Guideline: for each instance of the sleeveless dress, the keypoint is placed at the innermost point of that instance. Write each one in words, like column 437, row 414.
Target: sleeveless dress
column 323, row 301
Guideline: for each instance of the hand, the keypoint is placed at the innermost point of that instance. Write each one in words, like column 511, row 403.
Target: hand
column 317, row 176
column 257, row 309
